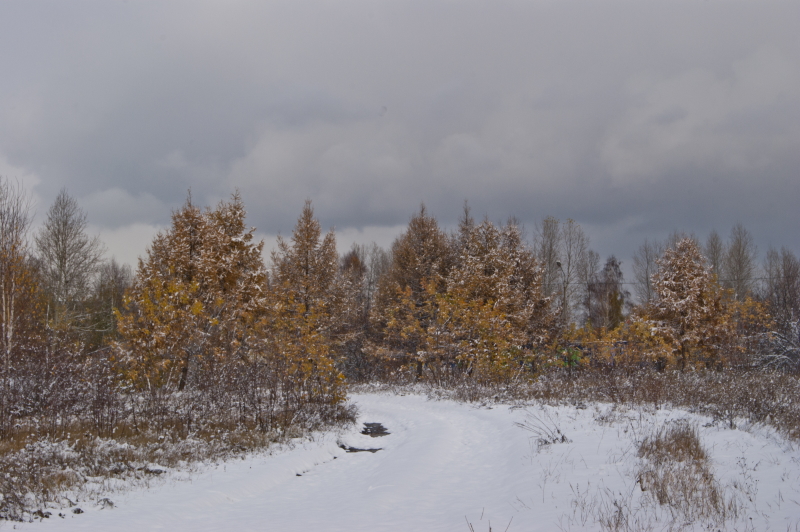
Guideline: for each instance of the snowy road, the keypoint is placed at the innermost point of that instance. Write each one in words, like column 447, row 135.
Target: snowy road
column 442, row 465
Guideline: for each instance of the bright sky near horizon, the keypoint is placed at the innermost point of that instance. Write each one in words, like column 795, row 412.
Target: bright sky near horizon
column 633, row 118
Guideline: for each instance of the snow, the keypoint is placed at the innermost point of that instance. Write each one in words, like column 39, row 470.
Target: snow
column 446, row 465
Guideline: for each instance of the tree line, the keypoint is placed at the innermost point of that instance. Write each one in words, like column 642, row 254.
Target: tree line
column 203, row 315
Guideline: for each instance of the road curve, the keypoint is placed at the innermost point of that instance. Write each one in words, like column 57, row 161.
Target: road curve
column 442, row 464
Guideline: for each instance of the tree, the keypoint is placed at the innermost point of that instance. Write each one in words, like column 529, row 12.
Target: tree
column 563, row 251
column 308, row 265
column 688, row 311
column 20, row 301
column 606, row 296
column 645, row 265
column 196, row 298
column 405, row 303
column 781, row 293
column 108, row 293
column 493, row 314
column 589, row 274
column 574, row 256
column 739, row 263
column 715, row 254
column 308, row 311
column 69, row 258
column 360, row 270
column 782, row 285
column 546, row 246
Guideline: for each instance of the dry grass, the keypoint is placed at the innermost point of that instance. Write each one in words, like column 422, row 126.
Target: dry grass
column 675, row 472
column 730, row 397
column 77, row 465
column 679, row 490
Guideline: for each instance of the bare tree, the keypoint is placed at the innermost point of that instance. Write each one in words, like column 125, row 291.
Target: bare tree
column 14, row 222
column 378, row 261
column 18, row 290
column 739, row 263
column 715, row 253
column 589, row 275
column 574, row 253
column 562, row 249
column 782, row 284
column 68, row 256
column 110, row 284
column 606, row 296
column 546, row 247
column 644, row 267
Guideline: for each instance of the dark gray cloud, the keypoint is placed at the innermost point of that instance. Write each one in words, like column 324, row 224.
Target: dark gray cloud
column 634, row 118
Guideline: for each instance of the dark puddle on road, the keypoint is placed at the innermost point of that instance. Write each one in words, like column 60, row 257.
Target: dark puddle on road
column 375, row 430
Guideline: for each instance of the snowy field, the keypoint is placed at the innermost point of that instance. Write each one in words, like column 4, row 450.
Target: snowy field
column 450, row 466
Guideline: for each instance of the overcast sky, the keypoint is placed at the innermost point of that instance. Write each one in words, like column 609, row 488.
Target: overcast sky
column 635, row 118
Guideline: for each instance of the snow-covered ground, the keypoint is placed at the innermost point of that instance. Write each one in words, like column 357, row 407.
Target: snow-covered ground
column 446, row 466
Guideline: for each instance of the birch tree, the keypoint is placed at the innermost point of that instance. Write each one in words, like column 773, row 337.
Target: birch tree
column 19, row 304
column 715, row 254
column 69, row 259
column 645, row 265
column 739, row 263
column 562, row 249
column 20, row 308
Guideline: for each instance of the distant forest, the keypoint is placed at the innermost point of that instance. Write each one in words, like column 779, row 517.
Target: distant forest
column 478, row 303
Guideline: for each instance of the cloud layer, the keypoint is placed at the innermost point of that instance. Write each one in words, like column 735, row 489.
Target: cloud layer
column 634, row 118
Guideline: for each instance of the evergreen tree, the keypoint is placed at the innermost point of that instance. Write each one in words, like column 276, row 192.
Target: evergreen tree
column 195, row 298
column 688, row 311
column 308, row 313
column 308, row 266
column 405, row 305
column 492, row 315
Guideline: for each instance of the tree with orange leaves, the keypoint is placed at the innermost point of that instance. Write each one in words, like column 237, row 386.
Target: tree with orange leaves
column 195, row 298
column 688, row 312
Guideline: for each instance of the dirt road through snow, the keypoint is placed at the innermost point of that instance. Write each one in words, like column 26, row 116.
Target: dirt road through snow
column 442, row 464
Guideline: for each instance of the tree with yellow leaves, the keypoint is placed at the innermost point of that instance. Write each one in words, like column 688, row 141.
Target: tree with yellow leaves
column 305, row 312
column 405, row 302
column 493, row 315
column 688, row 311
column 195, row 298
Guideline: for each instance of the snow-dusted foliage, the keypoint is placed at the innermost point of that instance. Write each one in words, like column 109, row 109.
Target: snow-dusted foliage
column 21, row 309
column 196, row 297
column 470, row 307
column 781, row 347
column 405, row 302
column 306, row 312
column 493, row 316
column 687, row 311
